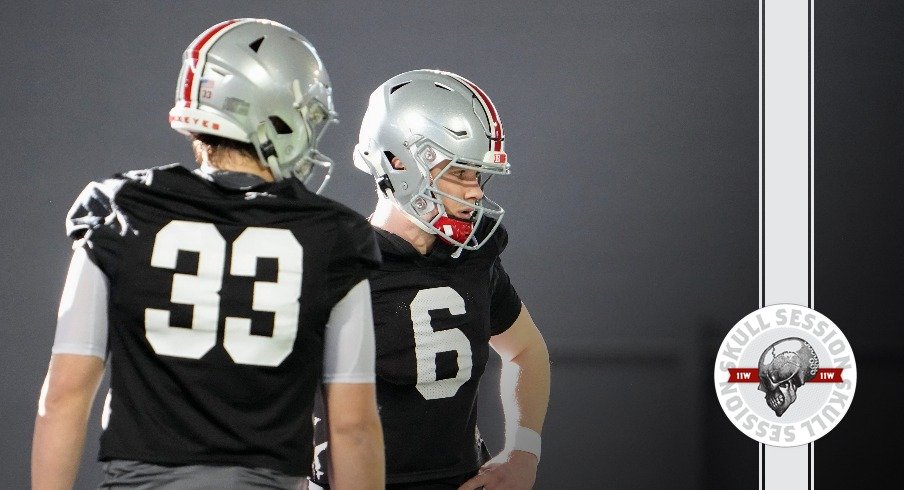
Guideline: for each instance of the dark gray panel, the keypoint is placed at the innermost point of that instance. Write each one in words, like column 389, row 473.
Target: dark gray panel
column 859, row 211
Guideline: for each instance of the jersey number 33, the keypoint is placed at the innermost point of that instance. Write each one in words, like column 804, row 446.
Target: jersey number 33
column 202, row 291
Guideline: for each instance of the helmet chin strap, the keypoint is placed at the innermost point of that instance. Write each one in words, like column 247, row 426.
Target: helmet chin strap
column 266, row 152
column 443, row 226
column 441, row 233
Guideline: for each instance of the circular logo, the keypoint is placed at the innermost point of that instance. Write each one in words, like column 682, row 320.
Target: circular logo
column 785, row 375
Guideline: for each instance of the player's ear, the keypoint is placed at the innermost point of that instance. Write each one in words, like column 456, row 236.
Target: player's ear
column 201, row 150
column 397, row 163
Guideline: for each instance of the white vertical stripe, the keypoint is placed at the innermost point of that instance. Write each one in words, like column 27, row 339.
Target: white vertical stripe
column 786, row 192
column 489, row 108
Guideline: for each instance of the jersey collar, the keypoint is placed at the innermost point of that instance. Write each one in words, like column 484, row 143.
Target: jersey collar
column 240, row 181
column 392, row 244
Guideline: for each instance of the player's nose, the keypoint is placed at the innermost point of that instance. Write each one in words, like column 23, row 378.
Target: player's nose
column 474, row 192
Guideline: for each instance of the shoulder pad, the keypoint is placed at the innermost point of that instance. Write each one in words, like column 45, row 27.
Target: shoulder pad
column 94, row 208
column 360, row 238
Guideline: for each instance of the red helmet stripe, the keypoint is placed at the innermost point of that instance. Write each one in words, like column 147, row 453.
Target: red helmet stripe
column 498, row 135
column 199, row 45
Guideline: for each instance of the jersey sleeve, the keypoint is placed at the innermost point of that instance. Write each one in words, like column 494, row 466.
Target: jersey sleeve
column 506, row 304
column 355, row 256
column 82, row 318
column 349, row 346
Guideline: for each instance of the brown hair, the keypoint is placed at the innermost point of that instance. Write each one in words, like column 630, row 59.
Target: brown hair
column 212, row 144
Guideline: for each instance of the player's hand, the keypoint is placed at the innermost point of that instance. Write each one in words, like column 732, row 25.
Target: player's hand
column 516, row 471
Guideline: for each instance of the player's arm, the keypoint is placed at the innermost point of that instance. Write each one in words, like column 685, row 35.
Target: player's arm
column 355, row 433
column 76, row 368
column 526, row 373
column 63, row 409
column 524, row 387
column 356, row 437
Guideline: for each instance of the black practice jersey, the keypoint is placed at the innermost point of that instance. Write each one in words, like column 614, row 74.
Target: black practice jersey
column 433, row 317
column 218, row 300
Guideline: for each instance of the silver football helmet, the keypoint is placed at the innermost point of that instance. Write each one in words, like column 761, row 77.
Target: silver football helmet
column 258, row 82
column 425, row 117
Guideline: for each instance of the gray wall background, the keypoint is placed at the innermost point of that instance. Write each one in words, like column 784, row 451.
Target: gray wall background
column 632, row 131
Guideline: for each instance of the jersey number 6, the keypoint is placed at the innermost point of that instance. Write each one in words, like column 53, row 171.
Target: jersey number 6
column 428, row 343
column 202, row 291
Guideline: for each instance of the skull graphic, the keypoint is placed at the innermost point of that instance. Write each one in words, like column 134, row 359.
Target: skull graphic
column 784, row 367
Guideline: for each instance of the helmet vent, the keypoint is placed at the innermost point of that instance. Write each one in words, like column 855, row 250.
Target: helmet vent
column 393, row 89
column 256, row 45
column 279, row 125
column 389, row 157
column 439, row 85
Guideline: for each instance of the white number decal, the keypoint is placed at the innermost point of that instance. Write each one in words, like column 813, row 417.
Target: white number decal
column 280, row 297
column 202, row 291
column 428, row 342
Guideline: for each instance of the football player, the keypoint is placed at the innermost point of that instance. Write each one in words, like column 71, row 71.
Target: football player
column 221, row 298
column 441, row 298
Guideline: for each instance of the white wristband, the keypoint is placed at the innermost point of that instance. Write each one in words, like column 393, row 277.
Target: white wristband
column 527, row 440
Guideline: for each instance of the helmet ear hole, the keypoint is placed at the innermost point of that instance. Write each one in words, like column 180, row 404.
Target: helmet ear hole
column 279, row 125
column 394, row 161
